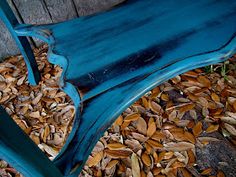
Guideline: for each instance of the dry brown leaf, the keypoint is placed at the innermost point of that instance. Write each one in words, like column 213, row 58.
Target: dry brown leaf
column 230, row 120
column 135, row 166
column 93, row 161
column 35, row 114
column 142, row 126
column 184, row 172
column 212, row 128
column 37, row 99
column 154, row 144
column 156, row 108
column 186, row 108
column 181, row 146
column 197, row 129
column 145, row 102
column 115, row 146
column 206, row 171
column 45, row 133
column 164, row 97
column 146, row 159
column 151, row 129
column 111, row 164
column 189, row 137
column 118, row 153
column 132, row 117
column 230, row 129
column 220, row 174
column 191, row 157
column 158, row 136
column 204, row 81
column 168, row 155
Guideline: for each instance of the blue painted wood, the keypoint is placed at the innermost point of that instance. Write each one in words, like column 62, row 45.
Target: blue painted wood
column 11, row 22
column 114, row 57
column 18, row 149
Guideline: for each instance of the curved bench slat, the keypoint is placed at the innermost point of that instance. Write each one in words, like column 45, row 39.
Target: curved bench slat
column 100, row 112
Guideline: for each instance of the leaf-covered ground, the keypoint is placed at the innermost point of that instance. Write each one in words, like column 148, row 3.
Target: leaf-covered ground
column 184, row 127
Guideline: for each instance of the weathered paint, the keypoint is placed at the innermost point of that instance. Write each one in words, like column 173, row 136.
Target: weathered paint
column 114, row 57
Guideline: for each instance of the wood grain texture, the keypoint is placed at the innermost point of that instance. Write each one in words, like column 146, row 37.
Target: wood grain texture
column 7, row 44
column 45, row 12
column 61, row 10
column 89, row 7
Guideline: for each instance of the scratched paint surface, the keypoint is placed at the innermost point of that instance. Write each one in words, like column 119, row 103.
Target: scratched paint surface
column 117, row 56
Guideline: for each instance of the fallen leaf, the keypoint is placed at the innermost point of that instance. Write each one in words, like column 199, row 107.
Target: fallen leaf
column 197, row 129
column 115, row 146
column 135, row 166
column 146, row 159
column 95, row 159
column 212, row 128
column 132, row 117
column 118, row 153
column 111, row 164
column 180, row 146
column 206, row 171
column 142, row 126
column 151, row 129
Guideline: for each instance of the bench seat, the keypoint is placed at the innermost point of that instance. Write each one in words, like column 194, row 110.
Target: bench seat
column 139, row 38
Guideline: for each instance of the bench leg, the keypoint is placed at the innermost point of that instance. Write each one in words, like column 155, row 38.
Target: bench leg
column 33, row 72
column 20, row 151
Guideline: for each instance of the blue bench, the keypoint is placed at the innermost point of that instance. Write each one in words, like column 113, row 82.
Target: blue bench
column 111, row 59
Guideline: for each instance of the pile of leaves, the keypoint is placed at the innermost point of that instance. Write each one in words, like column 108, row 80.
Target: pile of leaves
column 184, row 127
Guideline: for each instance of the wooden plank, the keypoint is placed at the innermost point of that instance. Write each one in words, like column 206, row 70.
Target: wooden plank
column 7, row 44
column 93, row 6
column 33, row 12
column 61, row 10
